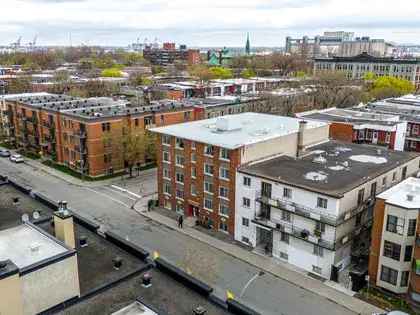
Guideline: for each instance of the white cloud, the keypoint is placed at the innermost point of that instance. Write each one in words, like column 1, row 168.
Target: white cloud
column 207, row 22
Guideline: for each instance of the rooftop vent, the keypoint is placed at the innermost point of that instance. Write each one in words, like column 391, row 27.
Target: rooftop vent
column 146, row 280
column 3, row 264
column 410, row 197
column 320, row 160
column 378, row 151
column 225, row 124
column 199, row 310
column 83, row 241
column 117, row 262
column 15, row 200
column 34, row 248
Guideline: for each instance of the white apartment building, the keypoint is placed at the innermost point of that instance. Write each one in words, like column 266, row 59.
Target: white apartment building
column 315, row 211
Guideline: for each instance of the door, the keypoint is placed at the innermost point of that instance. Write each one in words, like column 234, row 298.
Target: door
column 375, row 137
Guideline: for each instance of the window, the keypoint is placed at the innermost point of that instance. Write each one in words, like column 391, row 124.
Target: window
column 266, row 189
column 106, row 127
column 322, row 203
column 223, row 192
column 224, row 173
column 166, row 140
column 285, row 216
column 284, row 237
column 384, row 181
column 167, row 188
column 395, row 224
column 408, row 253
column 136, row 122
column 247, row 181
column 389, row 275
column 224, row 154
column 166, row 173
column 223, row 226
column 245, row 221
column 287, row 193
column 320, row 227
column 208, row 169
column 179, row 143
column 180, row 208
column 180, row 194
column 208, row 204
column 318, row 251
column 316, row 269
column 180, row 178
column 208, row 187
column 193, row 157
column 193, row 190
column 193, row 172
column 404, row 173
column 224, row 209
column 180, row 160
column 193, row 146
column 245, row 239
column 208, row 150
column 392, row 250
column 360, row 196
column 284, row 256
column 404, row 278
column 394, row 176
column 412, row 227
column 246, row 202
column 166, row 157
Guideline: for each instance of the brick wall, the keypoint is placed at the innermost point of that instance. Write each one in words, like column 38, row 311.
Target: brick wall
column 375, row 246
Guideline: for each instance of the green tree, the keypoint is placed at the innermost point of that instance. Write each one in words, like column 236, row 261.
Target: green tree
column 369, row 76
column 221, row 73
column 247, row 73
column 112, row 73
column 201, row 72
column 387, row 86
column 157, row 69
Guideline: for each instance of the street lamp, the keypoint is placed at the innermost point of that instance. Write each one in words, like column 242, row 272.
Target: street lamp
column 259, row 274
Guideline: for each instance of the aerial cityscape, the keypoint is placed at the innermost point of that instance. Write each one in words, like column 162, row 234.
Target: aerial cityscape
column 244, row 157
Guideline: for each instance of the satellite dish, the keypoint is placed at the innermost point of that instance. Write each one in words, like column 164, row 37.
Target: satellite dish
column 25, row 218
column 35, row 215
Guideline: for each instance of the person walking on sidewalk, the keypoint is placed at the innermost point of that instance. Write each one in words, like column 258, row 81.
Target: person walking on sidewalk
column 180, row 221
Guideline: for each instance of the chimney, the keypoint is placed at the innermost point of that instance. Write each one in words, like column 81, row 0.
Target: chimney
column 300, row 139
column 64, row 225
column 10, row 287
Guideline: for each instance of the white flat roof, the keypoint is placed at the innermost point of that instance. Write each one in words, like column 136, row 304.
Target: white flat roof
column 135, row 308
column 25, row 246
column 23, row 95
column 237, row 130
column 397, row 195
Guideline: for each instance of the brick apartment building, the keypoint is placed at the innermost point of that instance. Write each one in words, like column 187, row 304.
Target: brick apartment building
column 197, row 161
column 85, row 135
column 394, row 262
column 362, row 127
column 169, row 54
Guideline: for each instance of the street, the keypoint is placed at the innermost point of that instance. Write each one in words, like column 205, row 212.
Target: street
column 110, row 204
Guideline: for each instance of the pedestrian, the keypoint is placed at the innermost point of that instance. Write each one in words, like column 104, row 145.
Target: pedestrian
column 180, row 221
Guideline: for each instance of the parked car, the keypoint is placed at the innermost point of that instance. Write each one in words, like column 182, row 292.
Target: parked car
column 4, row 153
column 17, row 158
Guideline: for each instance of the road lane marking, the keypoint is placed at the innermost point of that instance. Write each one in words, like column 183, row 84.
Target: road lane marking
column 126, row 191
column 107, row 196
column 119, row 192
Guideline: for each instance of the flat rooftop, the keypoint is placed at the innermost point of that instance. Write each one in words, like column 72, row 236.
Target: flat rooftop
column 25, row 246
column 399, row 194
column 332, row 168
column 235, row 131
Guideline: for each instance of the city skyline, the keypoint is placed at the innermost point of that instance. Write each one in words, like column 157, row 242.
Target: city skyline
column 94, row 22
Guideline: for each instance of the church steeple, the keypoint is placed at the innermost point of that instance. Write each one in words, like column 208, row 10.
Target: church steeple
column 247, row 45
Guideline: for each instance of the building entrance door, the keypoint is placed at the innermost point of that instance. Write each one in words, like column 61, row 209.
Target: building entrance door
column 264, row 242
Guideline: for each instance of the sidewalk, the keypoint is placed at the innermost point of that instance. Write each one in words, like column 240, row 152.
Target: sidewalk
column 266, row 264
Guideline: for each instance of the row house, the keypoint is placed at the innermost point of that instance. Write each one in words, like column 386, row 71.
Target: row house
column 197, row 161
column 362, row 127
column 315, row 211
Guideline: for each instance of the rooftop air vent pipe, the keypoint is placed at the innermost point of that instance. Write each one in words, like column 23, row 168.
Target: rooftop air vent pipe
column 117, row 262
column 410, row 197
column 199, row 310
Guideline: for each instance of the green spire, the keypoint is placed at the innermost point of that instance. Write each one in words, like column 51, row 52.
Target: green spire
column 248, row 45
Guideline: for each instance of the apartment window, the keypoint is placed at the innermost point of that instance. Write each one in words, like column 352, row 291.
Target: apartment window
column 166, row 157
column 360, row 196
column 392, row 250
column 287, row 193
column 389, row 275
column 193, row 190
column 246, row 202
column 166, row 173
column 224, row 173
column 179, row 208
column 208, row 169
column 180, row 194
column 384, row 181
column 394, row 176
column 318, row 251
column 208, row 204
column 167, row 205
column 166, row 140
column 223, row 226
column 285, row 216
column 404, row 278
column 136, row 122
column 322, row 203
column 223, row 192
column 245, row 239
column 412, row 223
column 179, row 143
column 247, row 181
column 284, row 237
column 404, row 173
column 193, row 146
column 395, row 224
column 106, row 127
column 180, row 178
column 193, row 172
column 224, row 209
column 408, row 253
column 208, row 150
column 224, row 154
column 193, row 157
column 245, row 221
column 320, row 227
column 284, row 256
column 167, row 188
column 187, row 115
column 317, row 269
column 208, row 187
column 180, row 160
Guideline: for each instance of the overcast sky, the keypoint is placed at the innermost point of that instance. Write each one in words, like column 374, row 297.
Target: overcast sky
column 204, row 23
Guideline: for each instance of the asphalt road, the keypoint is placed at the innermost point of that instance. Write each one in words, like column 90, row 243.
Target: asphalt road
column 111, row 207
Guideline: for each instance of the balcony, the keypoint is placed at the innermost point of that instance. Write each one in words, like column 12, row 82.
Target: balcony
column 80, row 134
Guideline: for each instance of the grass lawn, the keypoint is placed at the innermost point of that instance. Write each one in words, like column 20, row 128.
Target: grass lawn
column 384, row 301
